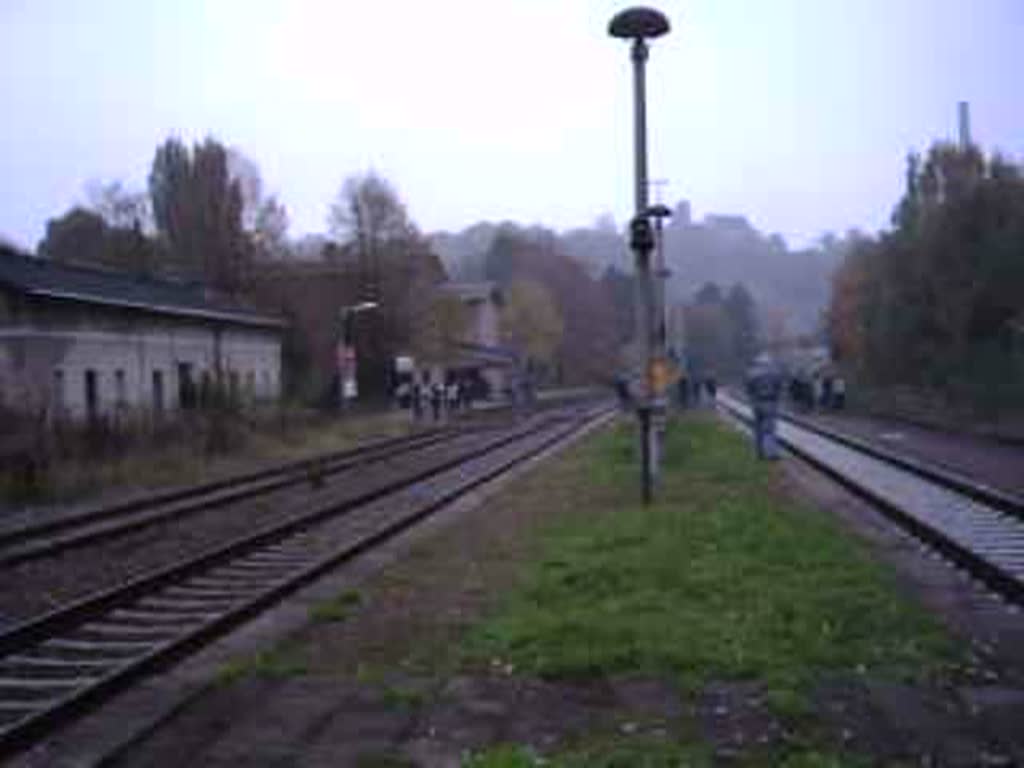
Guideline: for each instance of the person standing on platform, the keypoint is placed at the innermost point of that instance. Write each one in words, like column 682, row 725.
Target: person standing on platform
column 764, row 387
column 436, row 398
column 839, row 393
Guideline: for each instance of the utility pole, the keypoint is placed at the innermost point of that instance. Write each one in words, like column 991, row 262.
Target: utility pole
column 964, row 119
column 638, row 25
column 659, row 412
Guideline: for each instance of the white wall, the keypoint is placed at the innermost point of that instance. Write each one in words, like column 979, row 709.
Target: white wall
column 33, row 360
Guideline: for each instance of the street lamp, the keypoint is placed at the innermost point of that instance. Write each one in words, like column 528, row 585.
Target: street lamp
column 346, row 314
column 640, row 24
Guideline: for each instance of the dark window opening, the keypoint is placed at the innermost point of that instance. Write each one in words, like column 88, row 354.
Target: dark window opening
column 119, row 388
column 187, row 395
column 58, row 392
column 92, row 395
column 158, row 391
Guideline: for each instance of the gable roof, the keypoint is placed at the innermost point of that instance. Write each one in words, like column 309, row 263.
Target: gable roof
column 42, row 278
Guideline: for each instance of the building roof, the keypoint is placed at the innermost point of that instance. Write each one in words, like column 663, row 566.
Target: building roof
column 474, row 292
column 470, row 353
column 47, row 279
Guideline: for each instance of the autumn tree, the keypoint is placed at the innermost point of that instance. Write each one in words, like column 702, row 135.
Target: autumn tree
column 722, row 330
column 438, row 325
column 741, row 315
column 589, row 347
column 78, row 235
column 620, row 290
column 531, row 322
column 707, row 336
column 82, row 236
column 197, row 209
column 932, row 301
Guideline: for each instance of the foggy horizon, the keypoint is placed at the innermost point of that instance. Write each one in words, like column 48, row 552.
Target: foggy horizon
column 796, row 116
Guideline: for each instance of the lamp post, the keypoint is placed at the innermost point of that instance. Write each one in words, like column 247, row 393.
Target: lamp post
column 638, row 25
column 659, row 213
column 346, row 314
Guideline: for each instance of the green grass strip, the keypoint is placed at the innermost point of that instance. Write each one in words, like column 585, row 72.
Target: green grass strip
column 724, row 577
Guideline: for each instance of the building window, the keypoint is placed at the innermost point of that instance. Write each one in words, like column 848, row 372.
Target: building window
column 187, row 395
column 120, row 389
column 158, row 391
column 92, row 394
column 59, row 396
column 268, row 391
column 250, row 384
column 205, row 389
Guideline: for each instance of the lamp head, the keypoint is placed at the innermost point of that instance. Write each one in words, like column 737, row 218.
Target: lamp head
column 638, row 22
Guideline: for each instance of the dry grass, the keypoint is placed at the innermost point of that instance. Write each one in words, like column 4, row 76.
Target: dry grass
column 76, row 467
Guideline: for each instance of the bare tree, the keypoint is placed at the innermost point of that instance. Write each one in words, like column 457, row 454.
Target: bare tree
column 369, row 215
column 245, row 172
column 270, row 229
column 118, row 205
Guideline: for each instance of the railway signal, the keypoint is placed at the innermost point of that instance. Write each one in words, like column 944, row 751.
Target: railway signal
column 640, row 24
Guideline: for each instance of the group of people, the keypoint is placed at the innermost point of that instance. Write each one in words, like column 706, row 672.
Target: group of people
column 824, row 391
column 688, row 391
column 764, row 388
column 691, row 391
column 765, row 384
column 437, row 399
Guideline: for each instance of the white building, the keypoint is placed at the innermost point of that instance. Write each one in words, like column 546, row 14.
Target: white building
column 79, row 342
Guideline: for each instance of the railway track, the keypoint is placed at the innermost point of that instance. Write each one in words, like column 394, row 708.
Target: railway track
column 58, row 534
column 978, row 528
column 56, row 667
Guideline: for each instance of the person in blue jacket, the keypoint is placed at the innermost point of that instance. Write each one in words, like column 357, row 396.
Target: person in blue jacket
column 764, row 387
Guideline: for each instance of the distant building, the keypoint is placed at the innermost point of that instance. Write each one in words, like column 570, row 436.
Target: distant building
column 682, row 216
column 728, row 222
column 78, row 342
column 316, row 294
column 480, row 353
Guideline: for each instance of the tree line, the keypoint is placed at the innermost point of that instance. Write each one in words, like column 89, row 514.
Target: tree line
column 936, row 301
column 205, row 217
column 722, row 331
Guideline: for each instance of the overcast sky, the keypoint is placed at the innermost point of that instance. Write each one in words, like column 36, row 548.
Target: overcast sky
column 796, row 113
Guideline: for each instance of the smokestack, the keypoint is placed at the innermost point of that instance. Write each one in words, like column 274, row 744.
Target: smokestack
column 965, row 124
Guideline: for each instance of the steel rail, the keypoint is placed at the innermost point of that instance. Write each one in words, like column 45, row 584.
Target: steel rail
column 47, row 538
column 984, row 538
column 948, row 478
column 85, row 652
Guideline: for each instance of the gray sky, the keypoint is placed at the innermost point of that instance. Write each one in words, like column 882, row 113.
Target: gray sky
column 796, row 113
